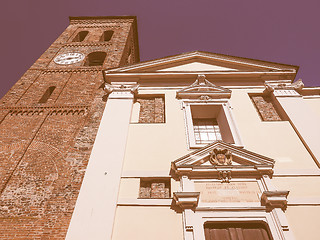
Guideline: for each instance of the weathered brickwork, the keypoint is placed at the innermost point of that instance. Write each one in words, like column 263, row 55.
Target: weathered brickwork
column 151, row 110
column 45, row 147
column 154, row 188
column 17, row 90
column 266, row 108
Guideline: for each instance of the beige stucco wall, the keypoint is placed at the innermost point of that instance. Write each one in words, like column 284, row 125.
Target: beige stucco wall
column 304, row 222
column 144, row 223
column 299, row 187
column 277, row 140
column 314, row 104
column 153, row 146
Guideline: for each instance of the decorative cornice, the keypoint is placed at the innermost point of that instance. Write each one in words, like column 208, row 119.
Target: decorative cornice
column 269, row 66
column 274, row 199
column 102, row 25
column 74, row 44
column 102, row 20
column 39, row 110
column 67, row 70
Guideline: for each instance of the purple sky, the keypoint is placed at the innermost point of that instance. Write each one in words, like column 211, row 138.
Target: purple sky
column 281, row 31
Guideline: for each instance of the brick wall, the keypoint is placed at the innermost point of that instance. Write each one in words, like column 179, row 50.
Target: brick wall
column 45, row 147
column 151, row 110
column 154, row 188
column 266, row 108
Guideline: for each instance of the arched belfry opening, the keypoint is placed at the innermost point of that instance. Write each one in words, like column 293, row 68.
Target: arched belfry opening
column 95, row 59
column 106, row 36
column 80, row 36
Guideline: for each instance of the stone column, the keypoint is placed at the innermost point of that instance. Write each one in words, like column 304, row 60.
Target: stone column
column 95, row 208
column 303, row 119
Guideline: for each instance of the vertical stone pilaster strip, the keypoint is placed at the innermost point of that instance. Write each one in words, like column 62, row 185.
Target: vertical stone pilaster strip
column 305, row 121
column 96, row 204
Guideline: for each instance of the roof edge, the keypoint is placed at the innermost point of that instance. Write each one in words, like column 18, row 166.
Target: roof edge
column 101, row 17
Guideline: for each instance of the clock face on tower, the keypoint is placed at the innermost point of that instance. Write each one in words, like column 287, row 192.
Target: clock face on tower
column 69, row 58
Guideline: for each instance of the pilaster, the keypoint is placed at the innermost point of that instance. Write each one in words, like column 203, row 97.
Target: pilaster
column 302, row 118
column 95, row 208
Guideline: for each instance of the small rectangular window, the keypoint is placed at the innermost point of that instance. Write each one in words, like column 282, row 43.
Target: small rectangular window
column 206, row 130
column 154, row 188
column 207, row 123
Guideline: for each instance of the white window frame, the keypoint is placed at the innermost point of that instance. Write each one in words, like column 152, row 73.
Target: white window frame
column 225, row 107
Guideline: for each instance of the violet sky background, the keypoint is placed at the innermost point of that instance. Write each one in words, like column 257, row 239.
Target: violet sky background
column 281, row 31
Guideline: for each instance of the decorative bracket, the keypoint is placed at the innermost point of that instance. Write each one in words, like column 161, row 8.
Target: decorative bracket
column 274, row 199
column 186, row 200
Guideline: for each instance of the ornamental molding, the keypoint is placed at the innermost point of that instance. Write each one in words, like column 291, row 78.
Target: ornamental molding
column 274, row 199
column 267, row 67
column 283, row 88
column 51, row 110
column 221, row 160
column 68, row 70
column 99, row 21
column 102, row 25
column 203, row 90
column 103, row 44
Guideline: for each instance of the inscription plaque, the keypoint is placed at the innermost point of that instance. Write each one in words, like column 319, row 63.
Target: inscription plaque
column 212, row 192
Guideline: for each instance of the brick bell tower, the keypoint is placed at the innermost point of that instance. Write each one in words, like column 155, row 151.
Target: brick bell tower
column 48, row 123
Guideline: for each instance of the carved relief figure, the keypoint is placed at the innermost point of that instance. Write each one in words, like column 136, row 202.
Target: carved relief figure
column 220, row 157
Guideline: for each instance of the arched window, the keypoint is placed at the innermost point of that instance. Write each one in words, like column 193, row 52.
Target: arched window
column 95, row 59
column 47, row 94
column 106, row 36
column 80, row 36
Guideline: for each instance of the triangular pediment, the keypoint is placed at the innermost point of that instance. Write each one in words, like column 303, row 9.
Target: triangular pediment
column 221, row 156
column 196, row 66
column 202, row 88
column 198, row 61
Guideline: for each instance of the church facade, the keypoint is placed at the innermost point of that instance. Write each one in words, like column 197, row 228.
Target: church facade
column 198, row 146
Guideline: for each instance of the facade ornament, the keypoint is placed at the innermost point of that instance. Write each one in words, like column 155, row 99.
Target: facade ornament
column 274, row 199
column 224, row 176
column 186, row 200
column 298, row 85
column 220, row 156
column 283, row 88
column 124, row 88
column 204, row 90
column 204, row 97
